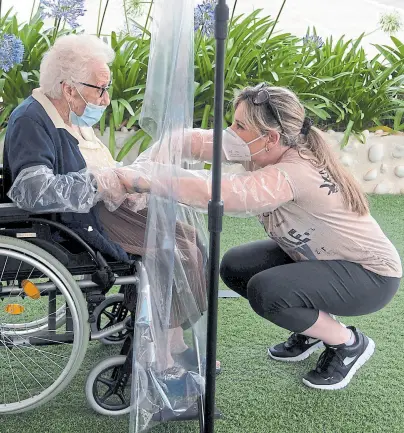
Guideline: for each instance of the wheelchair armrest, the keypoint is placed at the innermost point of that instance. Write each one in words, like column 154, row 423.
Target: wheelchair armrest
column 11, row 211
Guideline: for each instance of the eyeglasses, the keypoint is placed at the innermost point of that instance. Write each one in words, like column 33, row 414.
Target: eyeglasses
column 263, row 97
column 100, row 88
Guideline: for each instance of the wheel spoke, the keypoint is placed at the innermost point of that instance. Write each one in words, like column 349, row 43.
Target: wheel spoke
column 110, row 316
column 106, row 395
column 33, row 361
column 34, row 365
column 12, row 372
column 120, row 394
column 31, row 347
column 108, row 382
column 26, row 369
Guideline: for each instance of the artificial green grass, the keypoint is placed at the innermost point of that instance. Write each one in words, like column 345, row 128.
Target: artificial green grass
column 257, row 395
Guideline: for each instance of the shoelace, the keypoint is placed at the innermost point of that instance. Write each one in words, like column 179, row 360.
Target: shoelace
column 326, row 359
column 294, row 339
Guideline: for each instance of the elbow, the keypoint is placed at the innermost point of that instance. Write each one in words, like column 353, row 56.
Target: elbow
column 242, row 206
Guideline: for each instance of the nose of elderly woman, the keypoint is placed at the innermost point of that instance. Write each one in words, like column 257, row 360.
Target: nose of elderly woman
column 105, row 99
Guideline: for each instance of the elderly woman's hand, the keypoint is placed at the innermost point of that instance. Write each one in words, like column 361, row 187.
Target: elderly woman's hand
column 110, row 188
column 136, row 202
column 134, row 178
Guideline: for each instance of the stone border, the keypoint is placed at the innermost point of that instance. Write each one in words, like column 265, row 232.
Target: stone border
column 377, row 164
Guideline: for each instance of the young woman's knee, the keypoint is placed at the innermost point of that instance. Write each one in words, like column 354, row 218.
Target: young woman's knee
column 230, row 266
column 264, row 295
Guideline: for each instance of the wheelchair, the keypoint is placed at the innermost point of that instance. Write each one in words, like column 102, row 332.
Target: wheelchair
column 53, row 301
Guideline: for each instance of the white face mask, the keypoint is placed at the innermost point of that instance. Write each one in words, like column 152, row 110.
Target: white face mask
column 235, row 148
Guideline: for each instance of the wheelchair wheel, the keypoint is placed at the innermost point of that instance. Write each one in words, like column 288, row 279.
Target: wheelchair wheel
column 34, row 367
column 110, row 312
column 108, row 388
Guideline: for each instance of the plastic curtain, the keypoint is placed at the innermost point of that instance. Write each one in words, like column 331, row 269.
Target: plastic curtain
column 167, row 382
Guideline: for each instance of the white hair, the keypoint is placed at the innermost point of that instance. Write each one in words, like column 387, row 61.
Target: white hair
column 71, row 59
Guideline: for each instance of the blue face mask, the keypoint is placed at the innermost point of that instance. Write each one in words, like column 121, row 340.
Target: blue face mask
column 92, row 114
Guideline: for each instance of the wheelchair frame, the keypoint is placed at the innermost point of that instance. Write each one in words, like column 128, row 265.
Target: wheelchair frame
column 25, row 238
column 100, row 276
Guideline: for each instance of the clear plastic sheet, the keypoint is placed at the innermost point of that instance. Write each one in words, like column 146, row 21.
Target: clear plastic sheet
column 202, row 144
column 199, row 147
column 244, row 194
column 172, row 298
column 39, row 190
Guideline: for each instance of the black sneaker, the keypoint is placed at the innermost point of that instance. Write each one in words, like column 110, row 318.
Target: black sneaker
column 296, row 348
column 337, row 364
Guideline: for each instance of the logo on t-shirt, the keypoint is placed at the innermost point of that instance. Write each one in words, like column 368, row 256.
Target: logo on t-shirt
column 328, row 182
column 296, row 244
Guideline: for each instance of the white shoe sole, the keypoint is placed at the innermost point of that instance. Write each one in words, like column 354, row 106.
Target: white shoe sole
column 302, row 356
column 358, row 364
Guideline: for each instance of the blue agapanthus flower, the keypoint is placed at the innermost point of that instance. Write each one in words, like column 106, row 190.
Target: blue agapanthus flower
column 65, row 10
column 135, row 31
column 11, row 51
column 313, row 41
column 204, row 17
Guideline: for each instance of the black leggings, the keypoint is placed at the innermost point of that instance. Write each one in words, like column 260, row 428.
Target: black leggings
column 291, row 294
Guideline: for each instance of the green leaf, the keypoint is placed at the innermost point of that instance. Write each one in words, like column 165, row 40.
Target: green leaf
column 145, row 144
column 322, row 114
column 142, row 28
column 398, row 44
column 205, row 118
column 115, row 113
column 4, row 115
column 129, row 143
column 102, row 123
column 347, row 133
column 132, row 121
column 127, row 106
column 200, row 88
column 398, row 118
column 3, row 133
column 112, row 142
column 275, row 75
column 141, row 86
column 136, row 98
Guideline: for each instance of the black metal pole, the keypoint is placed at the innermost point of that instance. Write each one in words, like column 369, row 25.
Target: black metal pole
column 215, row 212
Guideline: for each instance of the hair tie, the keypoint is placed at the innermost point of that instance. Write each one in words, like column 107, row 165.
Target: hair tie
column 307, row 124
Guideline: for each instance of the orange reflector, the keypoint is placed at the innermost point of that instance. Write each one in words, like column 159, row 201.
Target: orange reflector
column 30, row 289
column 14, row 309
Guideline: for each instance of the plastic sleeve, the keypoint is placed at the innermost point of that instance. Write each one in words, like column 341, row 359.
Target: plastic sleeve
column 202, row 144
column 244, row 194
column 39, row 190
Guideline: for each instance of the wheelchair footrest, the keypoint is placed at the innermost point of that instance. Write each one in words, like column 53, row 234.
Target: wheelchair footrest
column 192, row 414
column 49, row 339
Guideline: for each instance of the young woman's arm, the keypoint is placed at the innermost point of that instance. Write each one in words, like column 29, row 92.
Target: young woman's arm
column 244, row 194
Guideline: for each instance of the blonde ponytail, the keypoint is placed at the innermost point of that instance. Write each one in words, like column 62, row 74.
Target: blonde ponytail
column 352, row 194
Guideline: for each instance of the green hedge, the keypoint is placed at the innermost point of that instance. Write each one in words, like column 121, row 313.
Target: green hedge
column 340, row 86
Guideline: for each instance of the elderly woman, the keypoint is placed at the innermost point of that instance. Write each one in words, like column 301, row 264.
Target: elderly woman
column 44, row 170
column 53, row 162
